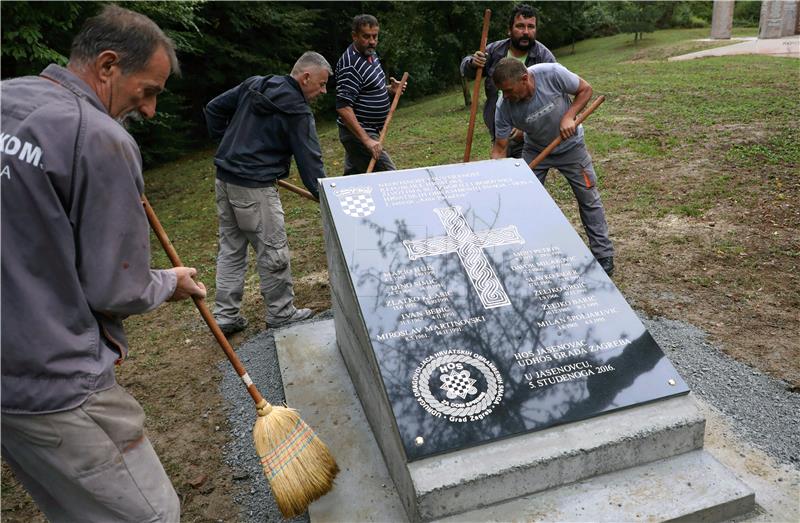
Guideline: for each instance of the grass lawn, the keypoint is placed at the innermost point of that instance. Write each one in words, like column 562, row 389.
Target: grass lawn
column 699, row 167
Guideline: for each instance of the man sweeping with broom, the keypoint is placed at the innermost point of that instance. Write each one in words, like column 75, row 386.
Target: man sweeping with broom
column 76, row 261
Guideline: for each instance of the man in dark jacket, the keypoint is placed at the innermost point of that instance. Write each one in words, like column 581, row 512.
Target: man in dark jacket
column 522, row 45
column 263, row 122
column 76, row 261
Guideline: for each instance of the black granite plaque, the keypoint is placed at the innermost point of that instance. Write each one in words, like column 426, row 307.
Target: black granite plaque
column 487, row 314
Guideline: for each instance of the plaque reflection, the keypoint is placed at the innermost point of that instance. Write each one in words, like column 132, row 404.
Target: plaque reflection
column 486, row 324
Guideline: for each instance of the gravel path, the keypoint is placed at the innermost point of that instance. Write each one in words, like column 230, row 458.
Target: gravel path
column 259, row 357
column 761, row 409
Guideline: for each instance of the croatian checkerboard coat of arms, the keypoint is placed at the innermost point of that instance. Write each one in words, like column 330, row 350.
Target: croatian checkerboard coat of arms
column 356, row 201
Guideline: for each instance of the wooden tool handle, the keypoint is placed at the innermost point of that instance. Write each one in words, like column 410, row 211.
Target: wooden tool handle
column 476, row 89
column 581, row 117
column 297, row 190
column 155, row 224
column 396, row 99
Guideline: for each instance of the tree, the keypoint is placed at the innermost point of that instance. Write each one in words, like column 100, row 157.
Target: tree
column 638, row 17
column 563, row 23
column 429, row 41
column 222, row 43
column 35, row 35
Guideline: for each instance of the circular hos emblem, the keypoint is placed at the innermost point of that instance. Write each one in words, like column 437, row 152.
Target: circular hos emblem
column 458, row 385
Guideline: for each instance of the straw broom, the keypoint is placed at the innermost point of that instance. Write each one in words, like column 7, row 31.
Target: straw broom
column 298, row 465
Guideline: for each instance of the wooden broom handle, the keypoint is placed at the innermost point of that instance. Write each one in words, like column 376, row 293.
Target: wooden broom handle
column 161, row 234
column 297, row 190
column 397, row 95
column 476, row 89
column 581, row 117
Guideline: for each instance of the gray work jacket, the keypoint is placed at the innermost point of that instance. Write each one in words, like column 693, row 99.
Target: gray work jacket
column 496, row 51
column 75, row 243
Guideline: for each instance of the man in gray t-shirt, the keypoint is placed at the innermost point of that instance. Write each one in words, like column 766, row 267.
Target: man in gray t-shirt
column 538, row 101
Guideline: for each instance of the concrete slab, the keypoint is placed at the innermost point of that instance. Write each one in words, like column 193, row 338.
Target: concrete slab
column 691, row 487
column 501, row 470
column 788, row 46
column 316, row 382
column 777, row 485
column 535, row 462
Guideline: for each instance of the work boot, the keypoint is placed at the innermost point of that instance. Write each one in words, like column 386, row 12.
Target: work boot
column 607, row 264
column 299, row 315
column 238, row 325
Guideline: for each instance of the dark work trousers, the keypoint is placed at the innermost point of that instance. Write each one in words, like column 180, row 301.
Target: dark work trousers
column 576, row 166
column 357, row 157
column 514, row 149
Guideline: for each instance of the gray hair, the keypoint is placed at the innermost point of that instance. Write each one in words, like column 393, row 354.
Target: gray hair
column 508, row 69
column 310, row 60
column 133, row 36
column 360, row 21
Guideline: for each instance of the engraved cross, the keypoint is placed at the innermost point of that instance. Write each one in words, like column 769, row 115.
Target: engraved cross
column 469, row 246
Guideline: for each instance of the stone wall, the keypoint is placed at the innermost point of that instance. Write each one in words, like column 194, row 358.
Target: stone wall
column 779, row 19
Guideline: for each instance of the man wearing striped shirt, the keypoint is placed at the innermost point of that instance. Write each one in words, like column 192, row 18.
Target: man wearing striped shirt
column 363, row 99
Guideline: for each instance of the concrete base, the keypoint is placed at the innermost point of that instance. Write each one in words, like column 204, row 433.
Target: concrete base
column 507, row 469
column 692, row 487
column 316, row 383
column 490, row 475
